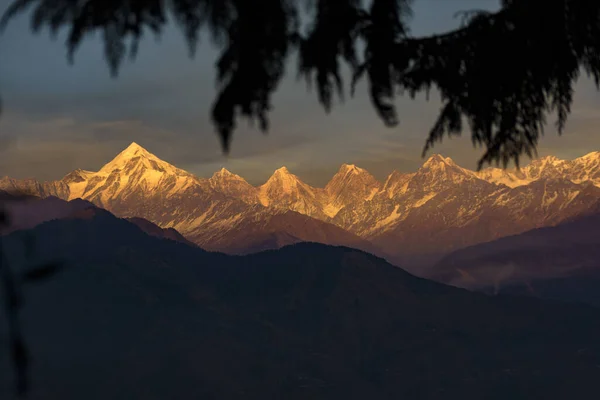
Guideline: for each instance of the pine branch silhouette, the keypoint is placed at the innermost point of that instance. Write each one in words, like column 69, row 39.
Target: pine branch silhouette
column 501, row 75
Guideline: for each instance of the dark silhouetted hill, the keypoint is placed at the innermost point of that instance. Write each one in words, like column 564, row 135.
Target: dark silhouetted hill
column 560, row 262
column 135, row 317
column 155, row 230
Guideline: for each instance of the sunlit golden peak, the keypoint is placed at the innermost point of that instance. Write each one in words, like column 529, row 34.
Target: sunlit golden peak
column 282, row 171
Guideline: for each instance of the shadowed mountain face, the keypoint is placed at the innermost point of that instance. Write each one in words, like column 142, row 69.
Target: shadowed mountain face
column 273, row 230
column 413, row 218
column 134, row 316
column 154, row 230
column 26, row 212
column 560, row 262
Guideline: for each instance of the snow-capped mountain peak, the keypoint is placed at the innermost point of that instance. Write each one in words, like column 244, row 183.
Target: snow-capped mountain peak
column 286, row 190
column 593, row 156
column 133, row 153
column 439, row 171
column 224, row 174
column 135, row 149
column 543, row 164
column 396, row 182
column 550, row 159
column 233, row 185
column 590, row 162
column 440, row 206
column 438, row 160
column 351, row 169
column 76, row 176
column 283, row 171
column 579, row 170
column 349, row 185
column 133, row 171
column 282, row 179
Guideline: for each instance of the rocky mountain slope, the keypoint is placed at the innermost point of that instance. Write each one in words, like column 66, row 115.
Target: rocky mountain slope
column 134, row 317
column 437, row 209
column 579, row 170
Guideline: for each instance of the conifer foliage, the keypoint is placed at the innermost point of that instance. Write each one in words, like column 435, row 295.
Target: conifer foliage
column 500, row 74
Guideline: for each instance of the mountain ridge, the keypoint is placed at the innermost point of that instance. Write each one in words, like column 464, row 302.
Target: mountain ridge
column 27, row 213
column 158, row 319
column 134, row 151
column 438, row 208
column 558, row 262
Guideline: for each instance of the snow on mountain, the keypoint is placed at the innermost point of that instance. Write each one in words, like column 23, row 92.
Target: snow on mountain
column 284, row 190
column 34, row 187
column 396, row 182
column 268, row 229
column 350, row 185
column 440, row 172
column 586, row 168
column 233, row 185
column 468, row 215
column 504, row 177
column 442, row 207
column 435, row 182
column 579, row 170
column 546, row 168
column 436, row 209
column 133, row 172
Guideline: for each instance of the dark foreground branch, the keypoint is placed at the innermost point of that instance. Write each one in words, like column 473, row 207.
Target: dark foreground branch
column 502, row 73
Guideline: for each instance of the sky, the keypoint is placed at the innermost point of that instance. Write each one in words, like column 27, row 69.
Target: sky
column 59, row 117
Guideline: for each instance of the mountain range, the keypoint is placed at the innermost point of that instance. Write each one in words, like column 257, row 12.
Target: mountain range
column 132, row 316
column 560, row 262
column 141, row 309
column 411, row 219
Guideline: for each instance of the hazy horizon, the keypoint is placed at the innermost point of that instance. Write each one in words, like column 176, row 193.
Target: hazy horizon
column 381, row 176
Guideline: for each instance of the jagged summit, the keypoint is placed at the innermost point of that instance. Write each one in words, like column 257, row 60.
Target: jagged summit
column 286, row 190
column 592, row 155
column 134, row 147
column 223, row 173
column 76, row 176
column 435, row 208
column 231, row 184
column 350, row 173
column 437, row 159
column 440, row 165
column 282, row 171
column 592, row 158
column 134, row 171
column 282, row 177
column 395, row 181
column 351, row 168
column 545, row 162
column 350, row 185
column 133, row 152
